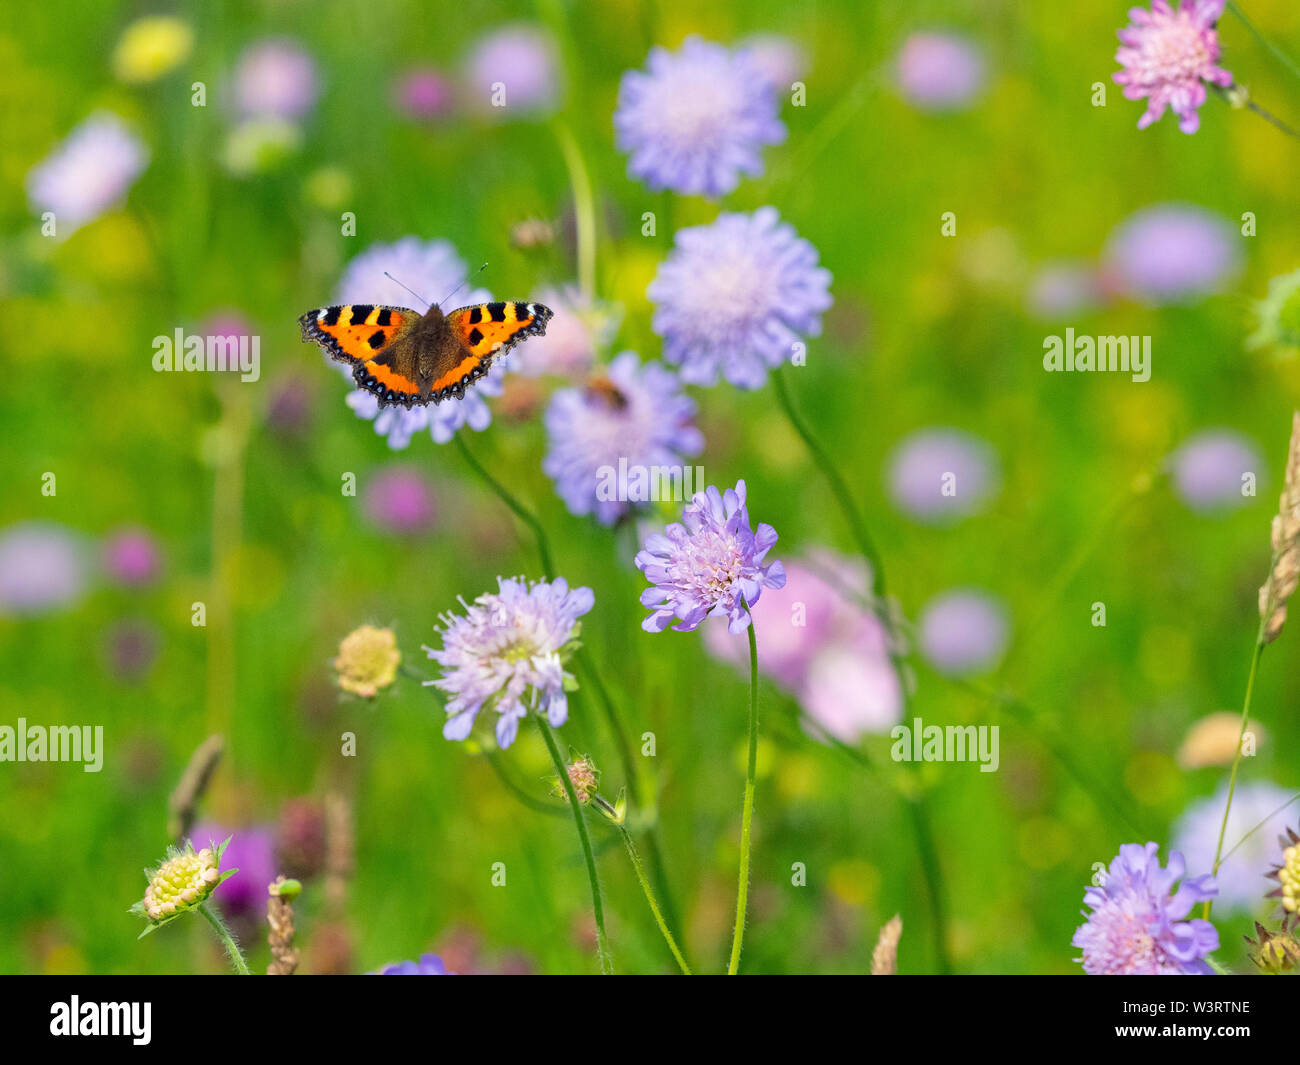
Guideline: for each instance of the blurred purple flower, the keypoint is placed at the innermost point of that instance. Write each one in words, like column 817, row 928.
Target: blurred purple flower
column 853, row 690
column 1167, row 55
column 289, row 409
column 131, row 557
column 252, row 852
column 442, row 420
column 42, row 567
column 303, row 832
column 939, row 475
column 736, row 297
column 1062, row 290
column 423, row 94
column 1208, row 469
column 428, row 965
column 276, row 78
column 635, row 414
column 1137, row 927
column 1242, row 876
column 399, row 500
column 779, row 59
column 1173, row 253
column 940, row 71
column 580, row 330
column 709, row 565
column 520, row 58
column 88, row 173
column 963, row 631
column 509, row 650
column 698, row 120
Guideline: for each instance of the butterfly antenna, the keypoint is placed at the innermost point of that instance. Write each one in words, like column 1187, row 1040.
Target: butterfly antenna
column 408, row 288
column 463, row 284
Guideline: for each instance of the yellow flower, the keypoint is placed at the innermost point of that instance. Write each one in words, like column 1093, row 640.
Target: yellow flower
column 151, row 47
column 368, row 660
column 182, row 882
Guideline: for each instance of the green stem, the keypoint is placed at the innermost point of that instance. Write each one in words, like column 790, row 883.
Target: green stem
column 1236, row 758
column 650, row 898
column 1278, row 54
column 580, row 820
column 747, row 816
column 520, row 511
column 838, row 486
column 223, row 934
column 584, row 208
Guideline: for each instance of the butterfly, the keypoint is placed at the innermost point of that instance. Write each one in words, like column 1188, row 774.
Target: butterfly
column 410, row 359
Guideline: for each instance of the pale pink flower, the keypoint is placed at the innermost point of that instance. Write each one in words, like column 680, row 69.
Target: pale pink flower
column 1168, row 55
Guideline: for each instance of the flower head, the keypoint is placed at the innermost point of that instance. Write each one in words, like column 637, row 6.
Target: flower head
column 585, row 778
column 1210, row 468
column 508, row 653
column 276, row 79
column 709, row 565
column 131, row 557
column 367, row 661
column 151, row 47
column 1172, row 253
column 424, row 94
column 88, row 173
column 1287, row 874
column 1240, row 875
column 42, row 567
column 428, row 965
column 962, row 631
column 633, row 417
column 941, row 475
column 182, row 882
column 940, row 71
column 1137, row 927
column 736, row 296
column 514, row 69
column 1168, row 55
column 399, row 500
column 697, row 119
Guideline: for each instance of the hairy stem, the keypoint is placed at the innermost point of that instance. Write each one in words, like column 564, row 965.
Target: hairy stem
column 227, row 940
column 580, row 820
column 650, row 898
column 747, row 815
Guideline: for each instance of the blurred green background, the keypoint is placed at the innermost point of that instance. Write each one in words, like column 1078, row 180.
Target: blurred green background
column 926, row 330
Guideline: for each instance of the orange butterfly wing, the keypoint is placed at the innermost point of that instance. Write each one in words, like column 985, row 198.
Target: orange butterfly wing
column 355, row 333
column 489, row 330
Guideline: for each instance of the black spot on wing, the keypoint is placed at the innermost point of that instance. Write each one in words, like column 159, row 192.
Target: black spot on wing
column 360, row 312
column 476, row 316
column 475, row 338
column 331, row 316
column 522, row 311
column 384, row 317
column 377, row 339
column 497, row 311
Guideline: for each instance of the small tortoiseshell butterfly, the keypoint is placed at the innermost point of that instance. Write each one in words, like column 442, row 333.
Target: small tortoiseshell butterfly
column 406, row 358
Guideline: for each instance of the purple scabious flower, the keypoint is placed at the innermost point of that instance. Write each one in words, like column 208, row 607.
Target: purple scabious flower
column 962, row 632
column 428, row 965
column 131, row 557
column 1209, row 469
column 697, row 120
column 508, row 653
column 1173, row 253
column 90, row 172
column 1168, row 55
column 1241, row 878
column 433, row 269
column 940, row 71
column 581, row 329
column 779, row 59
column 399, row 500
column 711, row 564
column 634, row 417
column 736, row 297
column 940, row 475
column 521, row 59
column 42, row 568
column 275, row 79
column 1137, row 928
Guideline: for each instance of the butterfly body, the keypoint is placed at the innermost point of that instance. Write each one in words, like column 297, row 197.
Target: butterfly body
column 410, row 359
